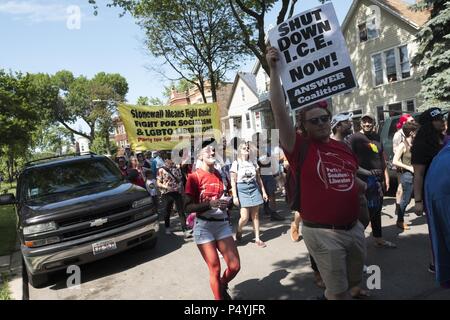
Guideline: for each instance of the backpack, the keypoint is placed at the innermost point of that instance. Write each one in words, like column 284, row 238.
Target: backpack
column 293, row 186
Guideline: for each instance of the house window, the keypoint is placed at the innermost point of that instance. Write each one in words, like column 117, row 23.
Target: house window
column 378, row 69
column 404, row 62
column 368, row 30
column 247, row 120
column 380, row 114
column 243, row 93
column 362, row 32
column 410, row 106
column 395, row 109
column 391, row 65
column 391, row 69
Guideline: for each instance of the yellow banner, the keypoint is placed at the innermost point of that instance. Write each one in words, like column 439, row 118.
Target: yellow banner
column 167, row 127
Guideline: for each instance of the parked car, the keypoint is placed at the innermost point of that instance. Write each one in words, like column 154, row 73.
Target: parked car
column 78, row 209
column 387, row 131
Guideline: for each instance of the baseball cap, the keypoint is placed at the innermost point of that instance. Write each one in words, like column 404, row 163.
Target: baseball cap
column 368, row 115
column 208, row 142
column 430, row 115
column 403, row 120
column 343, row 116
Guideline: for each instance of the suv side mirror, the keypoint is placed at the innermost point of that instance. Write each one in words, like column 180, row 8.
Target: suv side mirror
column 7, row 199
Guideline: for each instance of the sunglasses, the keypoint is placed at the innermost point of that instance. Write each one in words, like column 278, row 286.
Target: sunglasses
column 322, row 119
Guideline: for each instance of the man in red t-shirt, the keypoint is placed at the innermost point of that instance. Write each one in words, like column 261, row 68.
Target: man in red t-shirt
column 329, row 191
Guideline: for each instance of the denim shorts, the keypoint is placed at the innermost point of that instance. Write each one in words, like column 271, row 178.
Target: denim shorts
column 209, row 231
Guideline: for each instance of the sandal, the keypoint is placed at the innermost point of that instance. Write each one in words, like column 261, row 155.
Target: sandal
column 260, row 243
column 362, row 294
column 238, row 236
column 403, row 226
column 385, row 244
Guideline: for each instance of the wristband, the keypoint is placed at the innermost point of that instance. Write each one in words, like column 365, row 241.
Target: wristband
column 418, row 201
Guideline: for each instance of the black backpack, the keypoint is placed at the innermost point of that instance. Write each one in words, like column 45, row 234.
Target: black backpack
column 293, row 186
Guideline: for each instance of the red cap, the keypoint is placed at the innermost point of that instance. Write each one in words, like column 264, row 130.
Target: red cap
column 402, row 120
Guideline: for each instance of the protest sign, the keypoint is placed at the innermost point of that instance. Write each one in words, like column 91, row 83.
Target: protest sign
column 314, row 59
column 164, row 127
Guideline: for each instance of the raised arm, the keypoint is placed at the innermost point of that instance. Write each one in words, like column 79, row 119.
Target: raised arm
column 282, row 120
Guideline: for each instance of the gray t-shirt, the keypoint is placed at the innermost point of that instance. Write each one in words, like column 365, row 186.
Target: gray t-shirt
column 246, row 171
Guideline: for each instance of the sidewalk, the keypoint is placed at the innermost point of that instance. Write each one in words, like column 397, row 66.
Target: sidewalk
column 11, row 266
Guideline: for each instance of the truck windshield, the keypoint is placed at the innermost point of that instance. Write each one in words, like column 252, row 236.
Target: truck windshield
column 68, row 177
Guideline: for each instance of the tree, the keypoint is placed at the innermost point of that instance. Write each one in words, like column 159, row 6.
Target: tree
column 179, row 86
column 196, row 38
column 93, row 100
column 53, row 139
column 24, row 104
column 433, row 54
column 146, row 101
column 250, row 15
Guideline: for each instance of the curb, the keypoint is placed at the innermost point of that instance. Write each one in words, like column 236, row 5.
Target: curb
column 11, row 266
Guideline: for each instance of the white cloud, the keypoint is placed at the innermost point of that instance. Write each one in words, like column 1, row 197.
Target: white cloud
column 35, row 12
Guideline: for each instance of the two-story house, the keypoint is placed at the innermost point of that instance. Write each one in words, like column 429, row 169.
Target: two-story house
column 249, row 106
column 380, row 38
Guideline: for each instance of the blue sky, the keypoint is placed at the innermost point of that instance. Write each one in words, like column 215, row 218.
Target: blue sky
column 37, row 39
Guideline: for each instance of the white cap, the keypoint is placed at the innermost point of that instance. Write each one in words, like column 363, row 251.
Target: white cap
column 344, row 116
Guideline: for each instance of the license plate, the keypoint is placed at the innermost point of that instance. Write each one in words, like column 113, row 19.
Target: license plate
column 103, row 246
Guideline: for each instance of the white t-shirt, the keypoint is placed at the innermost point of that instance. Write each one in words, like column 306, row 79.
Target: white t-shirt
column 398, row 138
column 246, row 171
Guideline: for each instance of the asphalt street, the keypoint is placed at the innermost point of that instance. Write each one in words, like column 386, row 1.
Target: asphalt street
column 174, row 269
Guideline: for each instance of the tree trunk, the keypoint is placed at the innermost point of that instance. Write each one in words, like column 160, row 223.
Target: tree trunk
column 108, row 145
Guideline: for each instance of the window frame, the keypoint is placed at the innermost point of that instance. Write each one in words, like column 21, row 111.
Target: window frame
column 398, row 67
column 248, row 120
column 366, row 23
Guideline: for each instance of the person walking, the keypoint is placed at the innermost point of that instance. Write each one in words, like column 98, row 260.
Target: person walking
column 135, row 173
column 246, row 185
column 428, row 142
column 267, row 177
column 121, row 162
column 170, row 185
column 372, row 170
column 402, row 160
column 398, row 138
column 207, row 196
column 437, row 196
column 329, row 204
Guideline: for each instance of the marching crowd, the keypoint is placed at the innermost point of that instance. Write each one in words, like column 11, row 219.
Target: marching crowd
column 320, row 158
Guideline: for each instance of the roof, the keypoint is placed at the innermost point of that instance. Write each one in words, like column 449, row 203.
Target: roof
column 249, row 79
column 398, row 8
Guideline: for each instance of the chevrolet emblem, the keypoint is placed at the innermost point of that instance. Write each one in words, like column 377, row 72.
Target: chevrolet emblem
column 99, row 222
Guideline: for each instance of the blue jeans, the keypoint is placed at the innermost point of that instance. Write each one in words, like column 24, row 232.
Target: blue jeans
column 406, row 179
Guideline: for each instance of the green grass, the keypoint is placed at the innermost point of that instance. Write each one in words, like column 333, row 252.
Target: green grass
column 7, row 187
column 7, row 230
column 7, row 222
column 5, row 294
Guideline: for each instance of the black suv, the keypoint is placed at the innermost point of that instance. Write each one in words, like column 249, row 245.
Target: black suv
column 78, row 209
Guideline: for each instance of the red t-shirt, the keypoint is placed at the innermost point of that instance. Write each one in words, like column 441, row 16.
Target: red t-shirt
column 204, row 186
column 329, row 194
